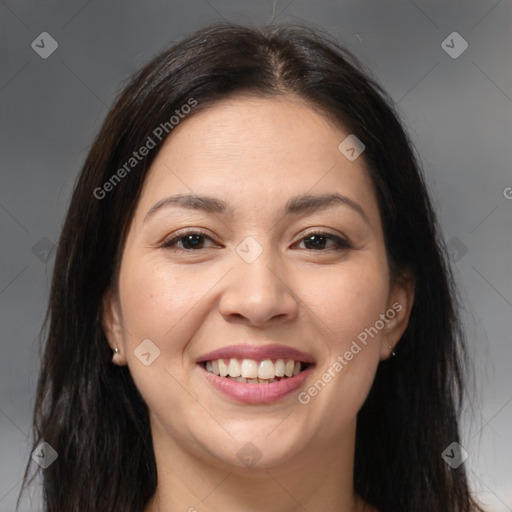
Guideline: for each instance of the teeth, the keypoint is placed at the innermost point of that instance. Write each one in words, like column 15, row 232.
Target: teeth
column 254, row 372
column 234, row 368
column 266, row 370
column 279, row 367
column 249, row 369
column 223, row 368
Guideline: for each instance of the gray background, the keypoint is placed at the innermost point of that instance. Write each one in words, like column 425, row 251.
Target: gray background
column 457, row 110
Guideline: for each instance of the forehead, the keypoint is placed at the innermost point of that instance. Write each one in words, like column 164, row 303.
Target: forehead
column 256, row 149
column 266, row 129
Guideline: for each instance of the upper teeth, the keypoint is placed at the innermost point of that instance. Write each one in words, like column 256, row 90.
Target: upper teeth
column 251, row 369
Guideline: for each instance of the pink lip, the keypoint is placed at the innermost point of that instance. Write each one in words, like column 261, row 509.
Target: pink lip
column 258, row 353
column 257, row 393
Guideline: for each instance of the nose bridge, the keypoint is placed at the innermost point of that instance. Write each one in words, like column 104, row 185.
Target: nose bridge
column 254, row 262
column 257, row 287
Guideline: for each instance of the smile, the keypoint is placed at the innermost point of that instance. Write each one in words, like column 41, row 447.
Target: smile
column 250, row 371
column 256, row 374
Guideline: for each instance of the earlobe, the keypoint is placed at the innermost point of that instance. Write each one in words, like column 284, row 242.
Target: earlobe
column 112, row 326
column 398, row 313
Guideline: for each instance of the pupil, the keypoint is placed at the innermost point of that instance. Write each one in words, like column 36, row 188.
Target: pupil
column 317, row 240
column 193, row 240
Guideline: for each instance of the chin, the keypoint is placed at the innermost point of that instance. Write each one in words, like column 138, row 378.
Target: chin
column 254, row 448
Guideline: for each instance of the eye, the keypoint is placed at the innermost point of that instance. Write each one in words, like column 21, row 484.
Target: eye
column 317, row 240
column 190, row 240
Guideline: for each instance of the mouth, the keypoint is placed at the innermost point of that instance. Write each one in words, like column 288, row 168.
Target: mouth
column 251, row 371
column 254, row 375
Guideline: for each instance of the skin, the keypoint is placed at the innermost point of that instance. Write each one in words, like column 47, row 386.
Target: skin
column 254, row 154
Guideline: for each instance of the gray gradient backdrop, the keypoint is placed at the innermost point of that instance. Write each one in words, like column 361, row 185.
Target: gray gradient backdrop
column 457, row 110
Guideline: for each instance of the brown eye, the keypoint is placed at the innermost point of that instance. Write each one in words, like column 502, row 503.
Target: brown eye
column 317, row 241
column 189, row 241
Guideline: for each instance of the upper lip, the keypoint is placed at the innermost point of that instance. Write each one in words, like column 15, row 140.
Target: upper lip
column 258, row 353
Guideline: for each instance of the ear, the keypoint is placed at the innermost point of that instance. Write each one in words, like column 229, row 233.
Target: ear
column 400, row 301
column 111, row 321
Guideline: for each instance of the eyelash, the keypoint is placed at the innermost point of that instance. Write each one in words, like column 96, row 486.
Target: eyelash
column 341, row 244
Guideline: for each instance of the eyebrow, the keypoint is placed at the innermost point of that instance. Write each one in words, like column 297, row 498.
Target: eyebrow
column 304, row 203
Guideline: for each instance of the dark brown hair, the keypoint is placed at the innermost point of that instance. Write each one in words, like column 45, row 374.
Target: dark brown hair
column 90, row 411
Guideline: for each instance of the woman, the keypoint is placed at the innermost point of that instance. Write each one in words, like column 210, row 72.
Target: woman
column 251, row 307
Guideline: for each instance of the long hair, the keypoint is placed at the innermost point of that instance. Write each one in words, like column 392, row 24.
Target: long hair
column 90, row 411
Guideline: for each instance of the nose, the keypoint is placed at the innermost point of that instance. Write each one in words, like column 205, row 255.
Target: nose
column 260, row 292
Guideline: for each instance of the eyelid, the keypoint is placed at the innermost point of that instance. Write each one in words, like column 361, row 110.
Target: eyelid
column 341, row 242
column 319, row 230
column 168, row 240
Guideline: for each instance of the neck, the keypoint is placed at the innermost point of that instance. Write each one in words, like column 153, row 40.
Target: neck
column 319, row 478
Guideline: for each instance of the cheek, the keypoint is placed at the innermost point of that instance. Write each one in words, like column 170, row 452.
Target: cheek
column 156, row 300
column 349, row 299
column 356, row 297
column 157, row 304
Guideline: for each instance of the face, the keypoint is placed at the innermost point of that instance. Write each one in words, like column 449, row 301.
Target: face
column 285, row 261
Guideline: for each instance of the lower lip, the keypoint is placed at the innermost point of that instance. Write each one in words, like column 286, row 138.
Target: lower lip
column 257, row 393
